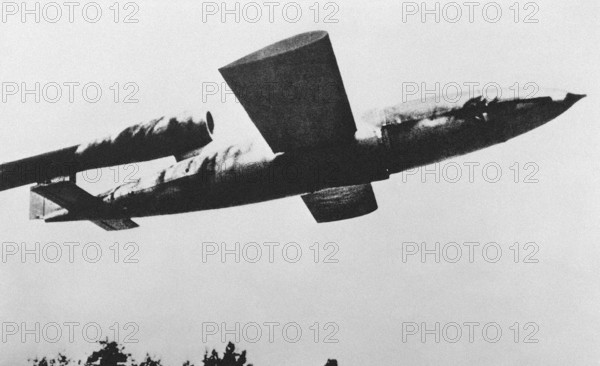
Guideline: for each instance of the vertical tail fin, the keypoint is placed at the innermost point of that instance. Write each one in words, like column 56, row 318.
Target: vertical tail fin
column 40, row 207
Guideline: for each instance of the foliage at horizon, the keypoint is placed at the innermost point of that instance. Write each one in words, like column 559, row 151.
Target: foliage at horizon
column 113, row 354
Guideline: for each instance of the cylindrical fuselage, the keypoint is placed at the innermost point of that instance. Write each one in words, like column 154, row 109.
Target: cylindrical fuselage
column 224, row 176
column 230, row 175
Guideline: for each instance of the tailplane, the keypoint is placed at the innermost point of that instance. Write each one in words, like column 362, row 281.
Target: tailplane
column 62, row 200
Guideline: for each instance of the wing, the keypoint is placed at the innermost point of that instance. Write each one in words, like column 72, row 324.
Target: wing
column 294, row 94
column 341, row 203
column 67, row 195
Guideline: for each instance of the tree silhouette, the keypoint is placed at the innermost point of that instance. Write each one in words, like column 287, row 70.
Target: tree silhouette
column 230, row 358
column 60, row 360
column 113, row 354
column 109, row 355
column 150, row 362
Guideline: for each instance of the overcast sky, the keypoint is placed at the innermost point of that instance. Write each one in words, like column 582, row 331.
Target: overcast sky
column 547, row 193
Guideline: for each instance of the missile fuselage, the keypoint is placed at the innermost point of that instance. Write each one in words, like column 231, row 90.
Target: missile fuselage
column 223, row 175
column 293, row 92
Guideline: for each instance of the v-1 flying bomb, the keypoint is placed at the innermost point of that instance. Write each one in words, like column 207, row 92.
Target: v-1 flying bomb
column 316, row 152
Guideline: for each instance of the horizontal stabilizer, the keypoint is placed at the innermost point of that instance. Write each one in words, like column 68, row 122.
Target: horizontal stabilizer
column 67, row 195
column 81, row 205
column 341, row 203
column 114, row 225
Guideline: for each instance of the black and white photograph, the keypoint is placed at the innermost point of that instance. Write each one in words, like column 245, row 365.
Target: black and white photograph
column 295, row 183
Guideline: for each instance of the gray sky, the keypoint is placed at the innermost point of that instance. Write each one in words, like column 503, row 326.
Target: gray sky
column 171, row 54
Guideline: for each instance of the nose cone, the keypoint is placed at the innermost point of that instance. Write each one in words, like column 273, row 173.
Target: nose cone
column 556, row 95
column 571, row 98
column 514, row 117
column 423, row 133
